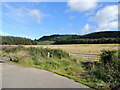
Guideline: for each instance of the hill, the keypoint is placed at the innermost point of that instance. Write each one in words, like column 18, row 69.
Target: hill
column 10, row 40
column 95, row 35
column 91, row 38
column 58, row 37
column 104, row 34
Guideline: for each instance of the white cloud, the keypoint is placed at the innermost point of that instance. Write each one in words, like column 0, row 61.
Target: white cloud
column 7, row 6
column 106, row 18
column 85, row 29
column 23, row 12
column 107, row 26
column 37, row 14
column 107, row 14
column 82, row 5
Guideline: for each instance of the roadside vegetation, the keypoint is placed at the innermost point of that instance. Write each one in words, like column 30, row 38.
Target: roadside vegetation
column 102, row 74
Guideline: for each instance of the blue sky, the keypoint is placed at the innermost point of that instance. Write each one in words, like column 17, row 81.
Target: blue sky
column 36, row 19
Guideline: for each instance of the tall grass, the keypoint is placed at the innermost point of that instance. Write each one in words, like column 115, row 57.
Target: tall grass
column 42, row 52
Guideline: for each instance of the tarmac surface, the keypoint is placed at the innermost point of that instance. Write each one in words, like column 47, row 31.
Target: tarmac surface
column 15, row 76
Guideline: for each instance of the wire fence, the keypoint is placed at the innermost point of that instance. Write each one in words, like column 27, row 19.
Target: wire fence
column 86, row 57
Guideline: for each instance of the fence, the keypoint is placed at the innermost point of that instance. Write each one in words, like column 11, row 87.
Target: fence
column 86, row 57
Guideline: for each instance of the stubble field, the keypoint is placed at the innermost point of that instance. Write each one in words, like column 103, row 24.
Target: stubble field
column 80, row 48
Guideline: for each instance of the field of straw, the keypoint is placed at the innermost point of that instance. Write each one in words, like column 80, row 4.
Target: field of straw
column 80, row 48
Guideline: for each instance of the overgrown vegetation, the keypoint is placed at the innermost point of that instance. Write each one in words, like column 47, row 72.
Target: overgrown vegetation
column 100, row 75
column 106, row 74
column 10, row 40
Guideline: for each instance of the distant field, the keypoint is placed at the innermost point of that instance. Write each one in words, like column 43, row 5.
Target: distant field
column 45, row 42
column 80, row 48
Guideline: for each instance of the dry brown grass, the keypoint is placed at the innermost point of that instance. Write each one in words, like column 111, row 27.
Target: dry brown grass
column 80, row 48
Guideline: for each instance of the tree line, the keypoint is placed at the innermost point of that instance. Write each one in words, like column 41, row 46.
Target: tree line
column 89, row 41
column 58, row 37
column 95, row 35
column 10, row 40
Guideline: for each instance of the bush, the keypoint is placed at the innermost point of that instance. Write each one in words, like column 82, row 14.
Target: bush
column 13, row 49
column 42, row 52
column 108, row 70
column 108, row 56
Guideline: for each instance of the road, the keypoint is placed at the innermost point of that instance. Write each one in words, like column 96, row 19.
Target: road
column 0, row 76
column 14, row 76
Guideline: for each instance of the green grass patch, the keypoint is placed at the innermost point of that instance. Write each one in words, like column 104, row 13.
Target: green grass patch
column 45, row 42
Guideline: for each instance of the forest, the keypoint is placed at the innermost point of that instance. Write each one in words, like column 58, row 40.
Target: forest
column 10, row 40
column 90, row 41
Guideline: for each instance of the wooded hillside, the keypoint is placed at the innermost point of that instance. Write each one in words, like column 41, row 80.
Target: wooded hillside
column 91, row 38
column 10, row 40
column 95, row 35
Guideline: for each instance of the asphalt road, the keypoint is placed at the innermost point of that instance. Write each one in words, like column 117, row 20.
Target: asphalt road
column 0, row 75
column 14, row 76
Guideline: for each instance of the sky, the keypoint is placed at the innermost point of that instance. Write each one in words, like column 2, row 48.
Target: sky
column 36, row 19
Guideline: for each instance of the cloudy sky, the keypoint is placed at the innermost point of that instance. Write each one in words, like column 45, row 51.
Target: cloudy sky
column 36, row 19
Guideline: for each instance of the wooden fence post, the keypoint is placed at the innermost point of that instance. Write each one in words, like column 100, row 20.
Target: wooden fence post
column 93, row 65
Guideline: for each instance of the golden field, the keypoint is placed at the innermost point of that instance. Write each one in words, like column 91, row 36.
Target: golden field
column 80, row 48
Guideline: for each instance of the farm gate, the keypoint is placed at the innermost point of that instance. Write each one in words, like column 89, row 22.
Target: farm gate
column 86, row 57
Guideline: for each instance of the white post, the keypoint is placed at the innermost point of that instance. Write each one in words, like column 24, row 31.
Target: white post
column 48, row 54
column 69, row 54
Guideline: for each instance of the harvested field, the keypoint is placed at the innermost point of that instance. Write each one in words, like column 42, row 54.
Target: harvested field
column 80, row 48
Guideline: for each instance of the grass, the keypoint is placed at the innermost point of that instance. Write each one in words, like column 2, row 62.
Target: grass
column 45, row 42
